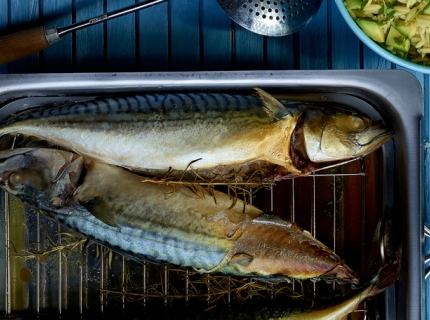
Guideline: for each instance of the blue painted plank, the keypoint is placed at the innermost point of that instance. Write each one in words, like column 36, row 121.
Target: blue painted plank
column 89, row 55
column 371, row 60
column 184, row 35
column 280, row 53
column 121, row 43
column 4, row 21
column 58, row 57
column 24, row 15
column 249, row 49
column 313, row 41
column 216, row 34
column 153, row 38
column 345, row 46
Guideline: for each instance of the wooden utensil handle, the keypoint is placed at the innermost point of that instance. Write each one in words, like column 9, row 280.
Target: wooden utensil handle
column 22, row 44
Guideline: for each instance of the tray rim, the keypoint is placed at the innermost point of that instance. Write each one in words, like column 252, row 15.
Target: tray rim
column 396, row 94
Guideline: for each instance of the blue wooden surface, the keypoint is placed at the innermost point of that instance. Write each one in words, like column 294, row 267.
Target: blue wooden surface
column 190, row 35
column 89, row 42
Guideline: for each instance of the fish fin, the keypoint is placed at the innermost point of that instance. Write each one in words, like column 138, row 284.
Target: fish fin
column 100, row 209
column 272, row 106
column 387, row 275
column 242, row 259
column 270, row 218
column 230, row 228
column 381, row 247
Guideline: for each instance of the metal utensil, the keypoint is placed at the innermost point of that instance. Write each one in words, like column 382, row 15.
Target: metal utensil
column 271, row 17
column 266, row 17
column 24, row 43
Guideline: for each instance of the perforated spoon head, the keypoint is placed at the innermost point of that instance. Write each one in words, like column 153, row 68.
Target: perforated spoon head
column 271, row 17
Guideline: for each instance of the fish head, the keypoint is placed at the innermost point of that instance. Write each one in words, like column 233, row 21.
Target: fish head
column 336, row 135
column 39, row 177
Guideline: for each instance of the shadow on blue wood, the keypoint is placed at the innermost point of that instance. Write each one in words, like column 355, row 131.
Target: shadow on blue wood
column 314, row 41
column 4, row 9
column 217, row 32
column 89, row 42
column 153, row 38
column 57, row 58
column 345, row 46
column 184, row 33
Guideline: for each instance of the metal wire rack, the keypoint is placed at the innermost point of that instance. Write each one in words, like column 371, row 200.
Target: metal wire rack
column 339, row 206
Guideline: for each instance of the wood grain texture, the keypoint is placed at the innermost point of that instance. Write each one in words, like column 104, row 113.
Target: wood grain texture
column 184, row 35
column 345, row 46
column 58, row 57
column 280, row 53
column 4, row 21
column 24, row 15
column 89, row 49
column 314, row 37
column 153, row 38
column 121, row 39
column 249, row 49
column 371, row 60
column 216, row 34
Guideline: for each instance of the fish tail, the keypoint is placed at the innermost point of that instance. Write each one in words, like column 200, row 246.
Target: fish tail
column 383, row 248
column 387, row 275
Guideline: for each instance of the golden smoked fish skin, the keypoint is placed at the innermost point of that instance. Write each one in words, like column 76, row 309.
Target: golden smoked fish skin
column 158, row 132
column 162, row 223
column 301, row 310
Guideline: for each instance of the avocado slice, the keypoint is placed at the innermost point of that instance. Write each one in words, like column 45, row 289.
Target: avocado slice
column 372, row 29
column 426, row 10
column 408, row 30
column 398, row 41
column 353, row 4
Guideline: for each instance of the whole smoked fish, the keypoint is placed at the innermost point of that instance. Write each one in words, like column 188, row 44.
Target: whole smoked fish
column 224, row 137
column 165, row 224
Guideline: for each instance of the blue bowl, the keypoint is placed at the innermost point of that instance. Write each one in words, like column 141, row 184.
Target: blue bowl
column 374, row 46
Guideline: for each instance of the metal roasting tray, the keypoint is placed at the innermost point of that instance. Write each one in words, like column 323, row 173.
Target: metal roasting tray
column 339, row 206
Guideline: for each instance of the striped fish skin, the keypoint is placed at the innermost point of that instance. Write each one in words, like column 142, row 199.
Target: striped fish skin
column 161, row 131
column 165, row 223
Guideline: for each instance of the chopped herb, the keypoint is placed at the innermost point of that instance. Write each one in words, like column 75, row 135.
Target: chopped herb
column 363, row 4
column 386, row 13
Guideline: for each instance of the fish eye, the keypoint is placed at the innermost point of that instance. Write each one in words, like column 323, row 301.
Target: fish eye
column 356, row 123
column 16, row 181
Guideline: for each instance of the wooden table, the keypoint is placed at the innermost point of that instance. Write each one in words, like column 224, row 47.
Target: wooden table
column 191, row 35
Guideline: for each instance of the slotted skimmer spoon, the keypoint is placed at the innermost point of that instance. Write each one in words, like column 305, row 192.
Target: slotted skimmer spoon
column 271, row 17
column 266, row 17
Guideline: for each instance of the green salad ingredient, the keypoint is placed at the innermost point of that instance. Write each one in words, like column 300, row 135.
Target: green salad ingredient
column 400, row 26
